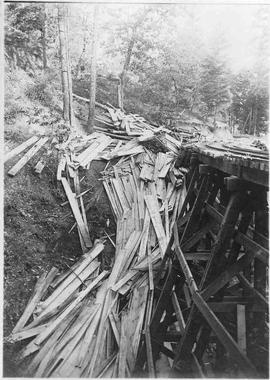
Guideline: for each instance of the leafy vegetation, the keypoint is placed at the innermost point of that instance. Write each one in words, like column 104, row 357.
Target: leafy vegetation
column 151, row 60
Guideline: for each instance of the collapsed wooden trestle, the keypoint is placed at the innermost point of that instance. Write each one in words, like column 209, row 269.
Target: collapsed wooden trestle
column 210, row 306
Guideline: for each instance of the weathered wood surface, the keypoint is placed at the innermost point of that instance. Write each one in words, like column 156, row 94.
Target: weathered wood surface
column 14, row 152
column 23, row 161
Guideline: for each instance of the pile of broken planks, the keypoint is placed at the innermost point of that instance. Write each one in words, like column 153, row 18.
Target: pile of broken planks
column 117, row 124
column 88, row 322
column 114, row 126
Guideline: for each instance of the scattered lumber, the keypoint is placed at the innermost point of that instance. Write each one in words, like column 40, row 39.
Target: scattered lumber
column 23, row 161
column 90, row 323
column 14, row 152
column 76, row 211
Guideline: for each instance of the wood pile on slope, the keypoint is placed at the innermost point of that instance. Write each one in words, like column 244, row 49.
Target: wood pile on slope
column 114, row 127
column 88, row 322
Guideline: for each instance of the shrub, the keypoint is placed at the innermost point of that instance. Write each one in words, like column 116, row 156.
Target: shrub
column 16, row 101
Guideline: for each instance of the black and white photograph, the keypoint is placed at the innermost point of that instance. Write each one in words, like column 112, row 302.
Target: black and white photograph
column 135, row 189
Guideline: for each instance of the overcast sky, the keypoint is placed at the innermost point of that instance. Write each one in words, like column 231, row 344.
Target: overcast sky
column 240, row 25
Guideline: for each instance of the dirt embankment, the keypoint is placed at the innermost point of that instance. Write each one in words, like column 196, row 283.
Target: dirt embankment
column 36, row 235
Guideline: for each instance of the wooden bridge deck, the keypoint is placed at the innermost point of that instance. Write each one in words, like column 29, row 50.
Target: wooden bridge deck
column 248, row 165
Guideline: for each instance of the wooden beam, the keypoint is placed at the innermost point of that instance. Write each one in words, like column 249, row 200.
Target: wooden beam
column 220, row 281
column 241, row 327
column 149, row 353
column 163, row 349
column 236, row 354
column 227, row 227
column 231, row 306
column 197, row 256
column 259, row 177
column 196, row 237
column 163, row 300
column 234, row 183
column 247, row 285
column 183, row 263
column 178, row 313
column 214, row 213
column 196, row 211
column 76, row 212
column 261, row 253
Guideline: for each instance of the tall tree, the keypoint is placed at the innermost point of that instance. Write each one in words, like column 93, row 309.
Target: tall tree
column 65, row 63
column 134, row 37
column 44, row 37
column 23, row 29
column 214, row 86
column 93, row 71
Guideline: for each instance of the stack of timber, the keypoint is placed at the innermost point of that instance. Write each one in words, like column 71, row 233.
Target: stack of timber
column 119, row 125
column 88, row 322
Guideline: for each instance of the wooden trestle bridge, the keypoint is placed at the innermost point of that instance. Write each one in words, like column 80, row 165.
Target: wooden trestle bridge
column 211, row 309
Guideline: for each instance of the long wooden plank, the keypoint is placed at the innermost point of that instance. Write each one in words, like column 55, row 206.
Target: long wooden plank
column 124, row 280
column 123, row 347
column 241, row 327
column 178, row 313
column 145, row 233
column 20, row 148
column 153, row 209
column 149, row 353
column 41, row 286
column 49, row 345
column 89, row 340
column 114, row 328
column 23, row 161
column 47, row 369
column 26, row 333
column 67, row 363
column 76, row 212
column 73, row 274
column 35, row 344
column 57, row 303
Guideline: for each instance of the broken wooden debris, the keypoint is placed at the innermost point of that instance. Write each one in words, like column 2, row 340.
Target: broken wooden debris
column 23, row 161
column 131, row 185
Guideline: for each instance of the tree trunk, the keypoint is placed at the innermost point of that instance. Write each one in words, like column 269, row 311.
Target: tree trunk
column 44, row 34
column 250, row 121
column 255, row 116
column 125, row 69
column 83, row 49
column 71, row 114
column 93, row 72
column 65, row 66
column 120, row 94
column 131, row 44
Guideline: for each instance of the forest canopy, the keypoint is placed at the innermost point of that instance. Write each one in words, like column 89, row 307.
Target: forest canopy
column 172, row 61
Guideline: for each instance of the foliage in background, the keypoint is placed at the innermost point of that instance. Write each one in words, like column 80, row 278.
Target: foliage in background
column 157, row 50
